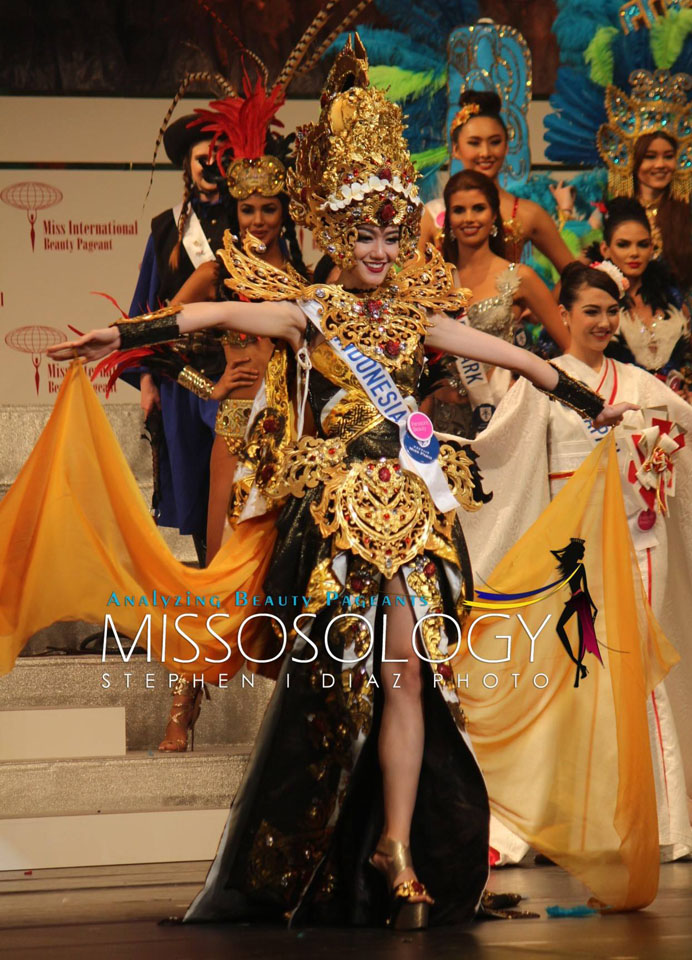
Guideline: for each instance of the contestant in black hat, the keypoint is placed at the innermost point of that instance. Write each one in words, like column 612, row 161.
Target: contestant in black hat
column 182, row 238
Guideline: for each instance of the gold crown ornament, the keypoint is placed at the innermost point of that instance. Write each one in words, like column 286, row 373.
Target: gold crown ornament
column 463, row 116
column 353, row 166
column 657, row 103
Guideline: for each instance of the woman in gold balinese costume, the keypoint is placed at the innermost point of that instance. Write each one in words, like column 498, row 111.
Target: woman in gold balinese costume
column 358, row 743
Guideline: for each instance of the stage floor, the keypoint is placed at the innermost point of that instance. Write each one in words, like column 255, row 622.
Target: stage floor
column 112, row 912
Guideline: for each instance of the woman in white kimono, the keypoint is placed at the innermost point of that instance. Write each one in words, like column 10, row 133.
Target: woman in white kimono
column 547, row 443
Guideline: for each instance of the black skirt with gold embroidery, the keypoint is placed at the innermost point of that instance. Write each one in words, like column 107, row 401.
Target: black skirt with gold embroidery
column 309, row 811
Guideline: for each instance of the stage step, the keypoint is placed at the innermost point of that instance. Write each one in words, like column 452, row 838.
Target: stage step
column 231, row 716
column 137, row 781
column 45, row 733
column 117, row 838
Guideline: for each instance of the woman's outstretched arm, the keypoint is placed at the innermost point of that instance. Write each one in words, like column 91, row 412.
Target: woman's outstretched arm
column 458, row 338
column 282, row 320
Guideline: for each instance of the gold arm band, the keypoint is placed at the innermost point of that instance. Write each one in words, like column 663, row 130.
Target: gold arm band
column 193, row 381
column 232, row 419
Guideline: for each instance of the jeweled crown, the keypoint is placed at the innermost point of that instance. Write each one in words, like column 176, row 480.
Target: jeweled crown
column 353, row 166
column 658, row 102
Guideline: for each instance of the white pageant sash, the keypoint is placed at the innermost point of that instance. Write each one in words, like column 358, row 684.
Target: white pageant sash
column 386, row 397
column 475, row 382
column 194, row 238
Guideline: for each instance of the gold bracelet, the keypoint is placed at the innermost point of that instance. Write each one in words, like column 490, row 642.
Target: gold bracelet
column 196, row 383
column 232, row 419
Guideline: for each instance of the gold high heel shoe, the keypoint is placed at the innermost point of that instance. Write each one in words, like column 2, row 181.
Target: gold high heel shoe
column 405, row 913
column 183, row 717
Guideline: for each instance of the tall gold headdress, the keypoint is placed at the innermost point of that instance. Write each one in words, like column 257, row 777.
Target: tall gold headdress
column 658, row 102
column 353, row 166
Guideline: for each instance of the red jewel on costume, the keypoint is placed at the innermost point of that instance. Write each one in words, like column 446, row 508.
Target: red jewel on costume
column 270, row 425
column 445, row 671
column 268, row 472
column 430, row 569
column 384, row 474
column 646, row 519
column 387, row 212
column 392, row 348
column 385, row 173
column 357, row 584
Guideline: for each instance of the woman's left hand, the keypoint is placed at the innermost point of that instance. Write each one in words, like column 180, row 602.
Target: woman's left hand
column 610, row 416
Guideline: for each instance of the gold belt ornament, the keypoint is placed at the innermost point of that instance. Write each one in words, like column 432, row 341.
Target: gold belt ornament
column 374, row 508
column 232, row 419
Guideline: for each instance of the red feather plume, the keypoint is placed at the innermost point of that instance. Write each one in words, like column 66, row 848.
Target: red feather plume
column 242, row 123
column 117, row 363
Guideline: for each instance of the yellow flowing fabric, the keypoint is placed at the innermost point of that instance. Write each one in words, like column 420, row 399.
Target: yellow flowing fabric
column 568, row 768
column 75, row 531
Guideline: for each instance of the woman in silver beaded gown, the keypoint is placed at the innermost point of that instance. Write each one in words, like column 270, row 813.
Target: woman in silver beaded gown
column 465, row 394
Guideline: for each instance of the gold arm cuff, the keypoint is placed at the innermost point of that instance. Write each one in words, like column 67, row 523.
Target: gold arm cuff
column 193, row 381
column 232, row 419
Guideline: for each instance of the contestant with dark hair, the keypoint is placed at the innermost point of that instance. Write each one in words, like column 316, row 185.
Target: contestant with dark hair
column 554, row 442
column 480, row 141
column 250, row 163
column 499, row 290
column 337, row 765
column 654, row 329
column 654, row 168
column 181, row 239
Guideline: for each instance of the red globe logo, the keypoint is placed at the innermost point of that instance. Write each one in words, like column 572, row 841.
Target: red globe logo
column 31, row 196
column 34, row 341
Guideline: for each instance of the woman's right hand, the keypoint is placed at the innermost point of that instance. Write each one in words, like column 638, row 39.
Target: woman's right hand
column 92, row 346
column 235, row 375
column 149, row 396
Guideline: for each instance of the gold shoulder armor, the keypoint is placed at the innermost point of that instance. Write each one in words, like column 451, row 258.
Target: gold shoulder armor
column 251, row 277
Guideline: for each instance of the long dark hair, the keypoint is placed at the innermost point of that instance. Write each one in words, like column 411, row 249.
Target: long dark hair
column 472, row 180
column 578, row 275
column 489, row 105
column 288, row 238
column 657, row 287
column 673, row 219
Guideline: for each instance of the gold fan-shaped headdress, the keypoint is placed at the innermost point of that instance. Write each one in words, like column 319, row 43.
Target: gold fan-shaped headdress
column 353, row 166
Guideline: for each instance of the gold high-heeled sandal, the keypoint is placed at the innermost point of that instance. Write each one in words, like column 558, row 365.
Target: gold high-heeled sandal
column 405, row 913
column 183, row 716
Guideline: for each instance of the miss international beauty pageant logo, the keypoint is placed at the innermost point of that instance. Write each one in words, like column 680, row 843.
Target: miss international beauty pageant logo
column 35, row 341
column 31, row 197
column 296, row 637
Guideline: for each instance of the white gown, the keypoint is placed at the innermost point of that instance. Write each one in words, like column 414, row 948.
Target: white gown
column 546, row 442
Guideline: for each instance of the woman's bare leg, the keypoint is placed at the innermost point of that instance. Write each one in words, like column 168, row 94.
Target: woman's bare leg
column 402, row 732
column 221, row 470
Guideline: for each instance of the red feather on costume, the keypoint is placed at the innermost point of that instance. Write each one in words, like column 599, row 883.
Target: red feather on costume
column 242, row 123
column 120, row 361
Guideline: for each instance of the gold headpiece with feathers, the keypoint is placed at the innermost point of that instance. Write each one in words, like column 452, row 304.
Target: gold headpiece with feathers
column 250, row 169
